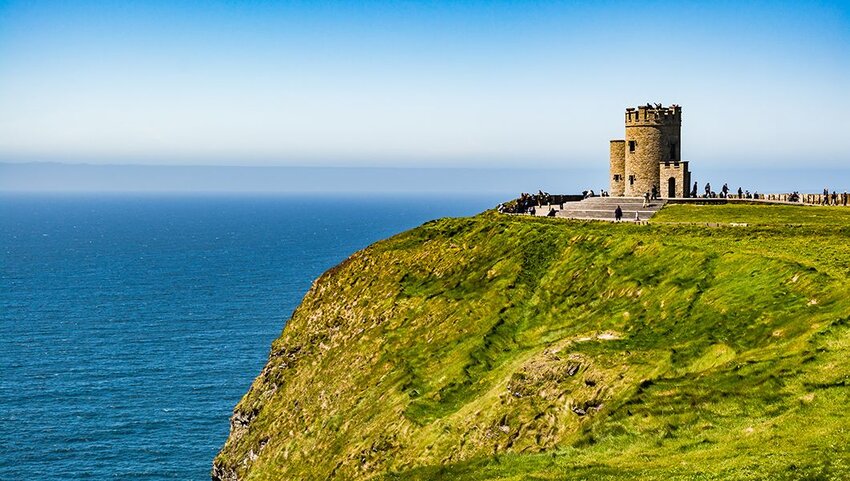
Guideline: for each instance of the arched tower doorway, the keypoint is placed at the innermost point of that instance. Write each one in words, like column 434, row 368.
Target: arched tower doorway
column 671, row 187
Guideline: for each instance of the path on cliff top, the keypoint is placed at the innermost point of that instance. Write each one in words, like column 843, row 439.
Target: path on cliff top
column 602, row 208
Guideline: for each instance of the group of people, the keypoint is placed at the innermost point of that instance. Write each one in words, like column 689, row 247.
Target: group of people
column 835, row 198
column 589, row 193
column 827, row 198
column 526, row 204
column 651, row 195
column 724, row 192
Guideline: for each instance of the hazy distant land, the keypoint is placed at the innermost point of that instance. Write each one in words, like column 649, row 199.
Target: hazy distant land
column 61, row 177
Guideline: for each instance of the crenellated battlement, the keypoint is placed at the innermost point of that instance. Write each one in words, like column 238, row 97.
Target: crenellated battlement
column 655, row 114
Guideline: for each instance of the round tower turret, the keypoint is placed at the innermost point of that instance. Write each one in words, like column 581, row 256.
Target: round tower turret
column 617, row 174
column 652, row 136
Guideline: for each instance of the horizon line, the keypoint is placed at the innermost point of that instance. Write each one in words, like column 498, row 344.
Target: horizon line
column 496, row 167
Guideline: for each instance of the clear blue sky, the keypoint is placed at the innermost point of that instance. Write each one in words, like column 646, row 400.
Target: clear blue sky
column 538, row 84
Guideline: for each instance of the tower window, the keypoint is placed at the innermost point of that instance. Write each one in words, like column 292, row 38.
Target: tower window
column 631, row 180
column 632, row 145
column 616, row 177
column 673, row 151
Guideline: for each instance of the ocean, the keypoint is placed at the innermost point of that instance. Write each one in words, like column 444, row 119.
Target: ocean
column 132, row 324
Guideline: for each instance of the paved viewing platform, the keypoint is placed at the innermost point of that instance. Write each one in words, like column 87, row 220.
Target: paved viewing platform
column 602, row 208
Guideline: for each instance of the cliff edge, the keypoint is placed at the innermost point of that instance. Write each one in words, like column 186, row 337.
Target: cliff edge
column 501, row 347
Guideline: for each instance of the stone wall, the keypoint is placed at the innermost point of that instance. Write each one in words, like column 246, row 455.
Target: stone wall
column 681, row 175
column 642, row 163
column 618, row 168
column 842, row 199
column 672, row 143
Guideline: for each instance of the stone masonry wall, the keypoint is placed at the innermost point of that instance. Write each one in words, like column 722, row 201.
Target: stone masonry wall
column 618, row 168
column 679, row 172
column 642, row 165
column 672, row 134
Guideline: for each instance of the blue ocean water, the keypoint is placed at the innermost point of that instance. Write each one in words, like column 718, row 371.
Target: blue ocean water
column 131, row 325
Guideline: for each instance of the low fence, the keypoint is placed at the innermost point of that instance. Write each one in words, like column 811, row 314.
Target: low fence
column 560, row 199
column 842, row 199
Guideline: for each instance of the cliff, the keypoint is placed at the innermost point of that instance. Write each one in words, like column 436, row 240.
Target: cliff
column 499, row 347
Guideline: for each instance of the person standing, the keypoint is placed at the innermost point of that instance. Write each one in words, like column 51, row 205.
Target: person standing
column 646, row 199
column 618, row 214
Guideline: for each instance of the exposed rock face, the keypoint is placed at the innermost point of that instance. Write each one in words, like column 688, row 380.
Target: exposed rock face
column 239, row 423
column 497, row 339
column 223, row 473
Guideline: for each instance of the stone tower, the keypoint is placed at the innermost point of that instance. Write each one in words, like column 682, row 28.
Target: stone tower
column 650, row 155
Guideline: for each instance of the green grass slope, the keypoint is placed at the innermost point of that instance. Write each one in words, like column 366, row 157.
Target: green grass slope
column 514, row 348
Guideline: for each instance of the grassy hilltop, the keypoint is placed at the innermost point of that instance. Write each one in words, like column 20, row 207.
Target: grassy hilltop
column 499, row 347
